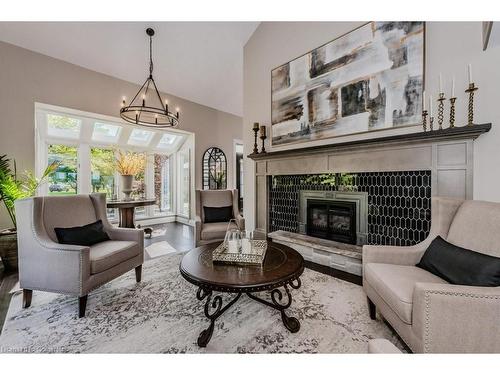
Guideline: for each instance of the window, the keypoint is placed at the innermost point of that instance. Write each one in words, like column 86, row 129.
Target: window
column 140, row 137
column 105, row 132
column 162, row 188
column 63, row 126
column 64, row 180
column 85, row 144
column 184, row 182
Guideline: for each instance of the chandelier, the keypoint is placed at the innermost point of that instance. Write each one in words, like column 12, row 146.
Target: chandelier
column 147, row 107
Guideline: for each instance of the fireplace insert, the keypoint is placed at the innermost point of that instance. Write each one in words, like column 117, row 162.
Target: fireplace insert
column 332, row 219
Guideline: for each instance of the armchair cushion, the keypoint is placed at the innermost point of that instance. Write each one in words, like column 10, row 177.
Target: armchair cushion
column 395, row 285
column 218, row 214
column 460, row 266
column 86, row 235
column 215, row 231
column 108, row 254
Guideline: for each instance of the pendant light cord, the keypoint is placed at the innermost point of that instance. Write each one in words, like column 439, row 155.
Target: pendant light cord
column 151, row 56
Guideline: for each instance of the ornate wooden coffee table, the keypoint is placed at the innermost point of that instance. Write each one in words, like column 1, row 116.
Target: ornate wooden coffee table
column 281, row 269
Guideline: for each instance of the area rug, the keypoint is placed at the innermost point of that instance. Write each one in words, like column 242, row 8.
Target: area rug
column 162, row 315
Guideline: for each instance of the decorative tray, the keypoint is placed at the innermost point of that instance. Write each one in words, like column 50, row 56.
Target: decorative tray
column 255, row 257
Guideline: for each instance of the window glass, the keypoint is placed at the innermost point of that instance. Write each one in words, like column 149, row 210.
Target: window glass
column 63, row 126
column 102, row 176
column 162, row 185
column 105, row 132
column 184, row 175
column 140, row 137
column 64, row 180
column 167, row 140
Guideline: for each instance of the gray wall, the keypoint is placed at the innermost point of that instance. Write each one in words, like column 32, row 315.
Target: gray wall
column 27, row 77
column 450, row 46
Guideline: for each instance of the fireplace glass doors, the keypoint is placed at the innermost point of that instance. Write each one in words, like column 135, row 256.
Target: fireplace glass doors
column 332, row 219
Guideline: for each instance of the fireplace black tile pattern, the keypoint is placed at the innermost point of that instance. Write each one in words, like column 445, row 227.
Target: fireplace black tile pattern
column 399, row 203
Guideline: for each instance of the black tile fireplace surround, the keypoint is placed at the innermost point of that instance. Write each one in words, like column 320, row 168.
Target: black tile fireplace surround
column 399, row 203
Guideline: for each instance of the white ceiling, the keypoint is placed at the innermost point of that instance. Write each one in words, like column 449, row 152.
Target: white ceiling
column 198, row 61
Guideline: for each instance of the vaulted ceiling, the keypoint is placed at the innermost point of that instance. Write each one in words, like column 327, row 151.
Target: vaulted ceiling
column 198, row 61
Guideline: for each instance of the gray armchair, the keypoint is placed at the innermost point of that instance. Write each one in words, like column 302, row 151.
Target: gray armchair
column 214, row 232
column 429, row 314
column 45, row 264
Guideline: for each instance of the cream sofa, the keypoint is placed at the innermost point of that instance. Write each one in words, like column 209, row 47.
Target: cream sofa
column 215, row 232
column 45, row 264
column 429, row 314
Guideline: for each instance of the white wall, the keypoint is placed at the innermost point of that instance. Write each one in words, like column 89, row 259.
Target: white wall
column 450, row 46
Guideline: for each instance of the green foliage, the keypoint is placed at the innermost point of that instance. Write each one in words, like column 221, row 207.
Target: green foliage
column 12, row 188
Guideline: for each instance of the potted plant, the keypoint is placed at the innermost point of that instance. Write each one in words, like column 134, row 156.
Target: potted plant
column 128, row 164
column 11, row 189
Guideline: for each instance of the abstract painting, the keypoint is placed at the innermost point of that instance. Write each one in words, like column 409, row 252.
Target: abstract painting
column 369, row 79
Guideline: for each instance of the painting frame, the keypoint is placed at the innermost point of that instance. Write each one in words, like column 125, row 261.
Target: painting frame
column 305, row 142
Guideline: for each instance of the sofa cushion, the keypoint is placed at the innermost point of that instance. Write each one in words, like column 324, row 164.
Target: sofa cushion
column 395, row 284
column 108, row 254
column 215, row 231
column 460, row 266
column 475, row 226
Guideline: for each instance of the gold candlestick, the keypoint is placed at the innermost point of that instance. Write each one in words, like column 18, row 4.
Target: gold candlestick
column 263, row 138
column 470, row 114
column 424, row 119
column 441, row 110
column 255, row 131
column 431, row 123
column 452, row 112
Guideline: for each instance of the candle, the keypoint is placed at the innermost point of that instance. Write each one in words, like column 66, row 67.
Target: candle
column 143, row 100
column 156, row 119
column 440, row 83
column 262, row 131
column 453, row 87
column 177, row 110
column 423, row 100
column 246, row 246
column 256, row 126
column 430, row 105
column 469, row 71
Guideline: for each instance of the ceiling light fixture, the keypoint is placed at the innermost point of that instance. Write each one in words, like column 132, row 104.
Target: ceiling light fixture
column 147, row 107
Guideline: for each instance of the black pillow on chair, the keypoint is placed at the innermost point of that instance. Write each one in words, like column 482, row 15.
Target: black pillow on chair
column 460, row 266
column 218, row 214
column 86, row 235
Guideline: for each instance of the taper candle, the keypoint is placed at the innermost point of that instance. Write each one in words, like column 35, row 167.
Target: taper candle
column 469, row 71
column 423, row 101
column 453, row 87
column 440, row 83
column 430, row 105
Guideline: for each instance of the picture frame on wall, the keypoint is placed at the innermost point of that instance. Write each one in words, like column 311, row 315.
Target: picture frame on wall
column 369, row 79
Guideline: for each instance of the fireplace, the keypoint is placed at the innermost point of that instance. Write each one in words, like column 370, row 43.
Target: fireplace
column 332, row 219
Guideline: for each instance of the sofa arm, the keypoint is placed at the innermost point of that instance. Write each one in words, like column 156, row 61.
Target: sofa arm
column 402, row 255
column 457, row 318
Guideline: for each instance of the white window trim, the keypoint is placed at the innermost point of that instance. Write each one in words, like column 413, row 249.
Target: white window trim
column 85, row 142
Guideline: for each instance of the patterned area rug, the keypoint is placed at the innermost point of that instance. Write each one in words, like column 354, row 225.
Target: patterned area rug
column 162, row 315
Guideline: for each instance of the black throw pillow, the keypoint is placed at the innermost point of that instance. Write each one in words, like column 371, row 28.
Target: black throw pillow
column 218, row 214
column 460, row 266
column 86, row 235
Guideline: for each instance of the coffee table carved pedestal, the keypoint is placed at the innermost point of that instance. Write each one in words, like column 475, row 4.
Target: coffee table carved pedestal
column 279, row 275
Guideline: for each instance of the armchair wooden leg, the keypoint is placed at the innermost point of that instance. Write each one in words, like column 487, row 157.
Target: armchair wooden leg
column 372, row 308
column 138, row 273
column 27, row 294
column 82, row 305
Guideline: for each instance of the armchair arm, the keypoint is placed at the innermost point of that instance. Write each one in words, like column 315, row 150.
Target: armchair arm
column 457, row 318
column 402, row 255
column 125, row 234
column 198, row 225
